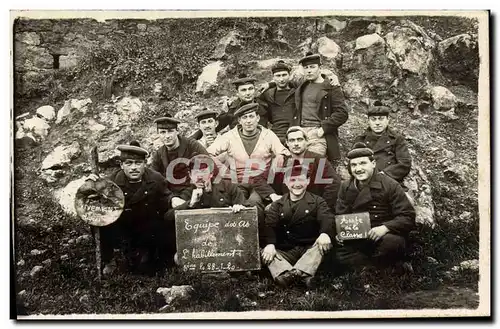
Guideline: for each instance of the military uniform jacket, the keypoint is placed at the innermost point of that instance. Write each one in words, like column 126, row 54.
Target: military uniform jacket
column 149, row 202
column 268, row 102
column 286, row 228
column 332, row 109
column 390, row 151
column 187, row 149
column 223, row 194
column 383, row 198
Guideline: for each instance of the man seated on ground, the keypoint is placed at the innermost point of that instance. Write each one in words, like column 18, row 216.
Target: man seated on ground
column 250, row 149
column 207, row 121
column 298, row 232
column 168, row 159
column 392, row 216
column 390, row 149
column 141, row 230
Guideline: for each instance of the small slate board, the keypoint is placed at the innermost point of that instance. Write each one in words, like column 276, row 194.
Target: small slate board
column 353, row 226
column 217, row 240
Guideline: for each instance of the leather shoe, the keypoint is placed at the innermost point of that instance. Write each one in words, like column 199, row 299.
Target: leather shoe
column 285, row 279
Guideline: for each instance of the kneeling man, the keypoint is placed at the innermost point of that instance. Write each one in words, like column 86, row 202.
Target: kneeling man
column 298, row 231
column 392, row 216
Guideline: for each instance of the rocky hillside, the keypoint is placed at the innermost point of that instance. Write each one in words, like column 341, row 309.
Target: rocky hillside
column 83, row 83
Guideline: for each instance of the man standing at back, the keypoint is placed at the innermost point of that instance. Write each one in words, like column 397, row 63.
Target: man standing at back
column 389, row 147
column 321, row 109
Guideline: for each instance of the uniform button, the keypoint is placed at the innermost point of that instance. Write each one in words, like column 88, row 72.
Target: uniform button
column 367, row 142
column 295, row 117
column 374, row 206
column 388, row 162
column 221, row 199
column 145, row 192
column 375, row 216
column 125, row 193
column 388, row 142
column 281, row 214
column 287, row 232
column 145, row 204
column 307, row 211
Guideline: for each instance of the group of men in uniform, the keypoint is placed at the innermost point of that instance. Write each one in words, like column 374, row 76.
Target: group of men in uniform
column 281, row 150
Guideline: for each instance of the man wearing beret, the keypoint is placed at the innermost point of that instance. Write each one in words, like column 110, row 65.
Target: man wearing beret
column 321, row 109
column 392, row 216
column 247, row 142
column 389, row 147
column 178, row 150
column 141, row 229
column 207, row 121
column 324, row 182
column 298, row 231
column 245, row 94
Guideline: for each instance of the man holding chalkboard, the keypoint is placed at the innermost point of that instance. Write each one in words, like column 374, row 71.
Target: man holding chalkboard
column 298, row 231
column 391, row 214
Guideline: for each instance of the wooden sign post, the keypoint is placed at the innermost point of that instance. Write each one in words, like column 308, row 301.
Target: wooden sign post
column 353, row 226
column 217, row 240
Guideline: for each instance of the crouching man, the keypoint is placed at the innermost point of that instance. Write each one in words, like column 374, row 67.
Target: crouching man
column 298, row 232
column 392, row 216
column 140, row 230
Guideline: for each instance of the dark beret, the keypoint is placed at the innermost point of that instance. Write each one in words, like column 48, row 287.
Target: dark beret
column 244, row 81
column 379, row 110
column 280, row 66
column 359, row 150
column 310, row 59
column 251, row 107
column 132, row 152
column 206, row 113
column 166, row 122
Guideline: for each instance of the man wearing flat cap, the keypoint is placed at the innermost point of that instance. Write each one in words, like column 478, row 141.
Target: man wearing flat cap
column 321, row 109
column 176, row 149
column 389, row 147
column 245, row 94
column 392, row 216
column 141, row 230
column 298, row 231
column 207, row 121
column 249, row 148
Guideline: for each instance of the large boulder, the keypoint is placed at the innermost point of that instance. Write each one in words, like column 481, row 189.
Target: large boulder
column 47, row 112
column 368, row 40
column 29, row 38
column 176, row 294
column 333, row 24
column 411, row 50
column 442, row 98
column 66, row 196
column 207, row 80
column 61, row 156
column 420, row 191
column 129, row 106
column 229, row 43
column 38, row 127
column 328, row 48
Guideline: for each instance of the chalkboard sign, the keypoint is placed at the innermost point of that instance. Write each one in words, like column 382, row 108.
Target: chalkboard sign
column 217, row 240
column 353, row 226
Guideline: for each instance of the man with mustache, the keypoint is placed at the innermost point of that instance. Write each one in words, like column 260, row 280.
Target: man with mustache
column 298, row 232
column 174, row 147
column 245, row 94
column 141, row 229
column 207, row 120
column 321, row 109
column 392, row 216
column 389, row 147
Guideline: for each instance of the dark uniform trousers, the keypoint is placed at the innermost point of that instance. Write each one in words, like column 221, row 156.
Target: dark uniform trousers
column 388, row 250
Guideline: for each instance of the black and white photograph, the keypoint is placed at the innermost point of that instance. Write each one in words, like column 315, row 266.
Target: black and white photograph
column 250, row 164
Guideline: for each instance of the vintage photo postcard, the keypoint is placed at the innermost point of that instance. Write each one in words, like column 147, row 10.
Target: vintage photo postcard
column 250, row 164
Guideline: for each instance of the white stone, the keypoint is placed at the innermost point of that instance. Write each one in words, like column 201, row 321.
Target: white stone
column 37, row 126
column 472, row 264
column 47, row 112
column 328, row 48
column 208, row 77
column 465, row 38
column 336, row 24
column 231, row 39
column 176, row 293
column 21, row 262
column 36, row 252
column 34, row 271
column 73, row 104
column 432, row 260
column 368, row 40
column 95, row 126
column 442, row 98
column 29, row 38
column 61, row 156
column 66, row 196
column 51, row 176
column 129, row 105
